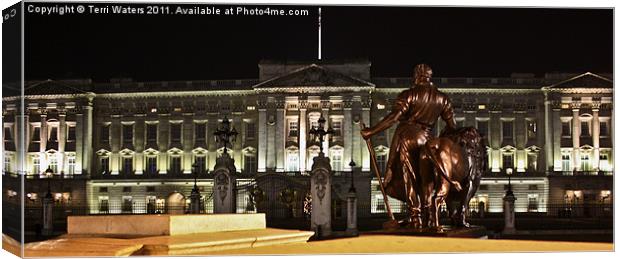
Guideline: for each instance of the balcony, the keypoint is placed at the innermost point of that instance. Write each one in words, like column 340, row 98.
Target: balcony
column 581, row 173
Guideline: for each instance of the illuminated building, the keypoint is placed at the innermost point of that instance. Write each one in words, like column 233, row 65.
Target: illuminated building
column 123, row 142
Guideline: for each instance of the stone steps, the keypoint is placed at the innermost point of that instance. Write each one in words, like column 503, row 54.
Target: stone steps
column 205, row 243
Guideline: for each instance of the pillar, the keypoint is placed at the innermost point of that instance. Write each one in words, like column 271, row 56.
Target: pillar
column 596, row 131
column 87, row 146
column 62, row 140
column 224, row 194
column 262, row 137
column 352, row 211
column 348, row 132
column 575, row 135
column 509, row 213
column 365, row 152
column 302, row 137
column 556, row 138
column 280, row 135
column 549, row 149
column 320, row 188
column 48, row 214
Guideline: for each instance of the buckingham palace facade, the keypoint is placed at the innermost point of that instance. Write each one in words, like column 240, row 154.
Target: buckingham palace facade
column 125, row 142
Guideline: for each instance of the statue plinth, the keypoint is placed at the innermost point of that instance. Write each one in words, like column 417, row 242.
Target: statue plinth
column 224, row 196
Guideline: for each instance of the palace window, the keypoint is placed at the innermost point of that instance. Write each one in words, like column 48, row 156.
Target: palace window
column 7, row 134
column 531, row 129
column 337, row 127
column 250, row 130
column 151, row 165
column 566, row 128
column 292, row 163
column 54, row 164
column 36, row 165
column 128, row 134
column 604, row 162
column 585, row 162
column 201, row 163
column 532, row 202
column 293, row 127
column 585, row 129
column 71, row 134
column 127, row 165
column 127, row 206
column 104, row 204
column 200, row 132
column 381, row 162
column 71, row 165
column 507, row 129
column 175, row 164
column 336, row 160
column 532, row 164
column 7, row 164
column 508, row 160
column 603, row 129
column 104, row 164
column 151, row 133
column 36, row 134
column 53, row 137
column 566, row 163
column 105, row 133
column 175, row 132
column 249, row 163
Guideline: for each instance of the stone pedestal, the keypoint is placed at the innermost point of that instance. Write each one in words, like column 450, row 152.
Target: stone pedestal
column 48, row 215
column 195, row 201
column 352, row 212
column 509, row 213
column 320, row 188
column 224, row 196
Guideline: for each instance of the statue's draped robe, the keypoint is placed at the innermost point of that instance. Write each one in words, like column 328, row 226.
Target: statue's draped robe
column 421, row 106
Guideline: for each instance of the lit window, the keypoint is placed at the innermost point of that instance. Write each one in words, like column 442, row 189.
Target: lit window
column 153, row 110
column 566, row 163
column 531, row 129
column 251, row 108
column 481, row 106
column 337, row 127
column 177, row 109
column 71, row 165
column 565, row 106
column 293, row 127
column 380, row 106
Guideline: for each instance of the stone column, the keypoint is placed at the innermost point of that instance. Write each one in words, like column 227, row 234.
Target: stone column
column 302, row 136
column 280, row 135
column 48, row 214
column 19, row 132
column 115, row 144
column 509, row 213
column 549, row 149
column 195, row 201
column 348, row 132
column 187, row 142
column 224, row 196
column 520, row 141
column 352, row 210
column 320, row 188
column 87, row 146
column 262, row 136
column 211, row 145
column 596, row 132
column 325, row 114
column 139, row 141
column 366, row 119
column 576, row 134
column 43, row 160
column 556, row 138
column 62, row 140
column 163, row 131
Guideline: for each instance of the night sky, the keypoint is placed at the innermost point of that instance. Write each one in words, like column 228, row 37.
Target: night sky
column 474, row 42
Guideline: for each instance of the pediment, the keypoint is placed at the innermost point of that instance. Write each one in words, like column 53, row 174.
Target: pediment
column 313, row 75
column 586, row 80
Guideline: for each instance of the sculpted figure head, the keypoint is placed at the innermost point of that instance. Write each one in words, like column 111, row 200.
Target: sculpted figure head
column 422, row 75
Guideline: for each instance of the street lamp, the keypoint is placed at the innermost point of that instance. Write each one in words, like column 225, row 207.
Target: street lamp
column 225, row 134
column 48, row 174
column 352, row 165
column 320, row 132
column 509, row 173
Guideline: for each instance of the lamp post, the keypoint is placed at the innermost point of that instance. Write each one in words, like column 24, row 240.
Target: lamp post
column 225, row 134
column 509, row 173
column 48, row 205
column 195, row 195
column 48, row 174
column 509, row 207
column 319, row 132
column 352, row 205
